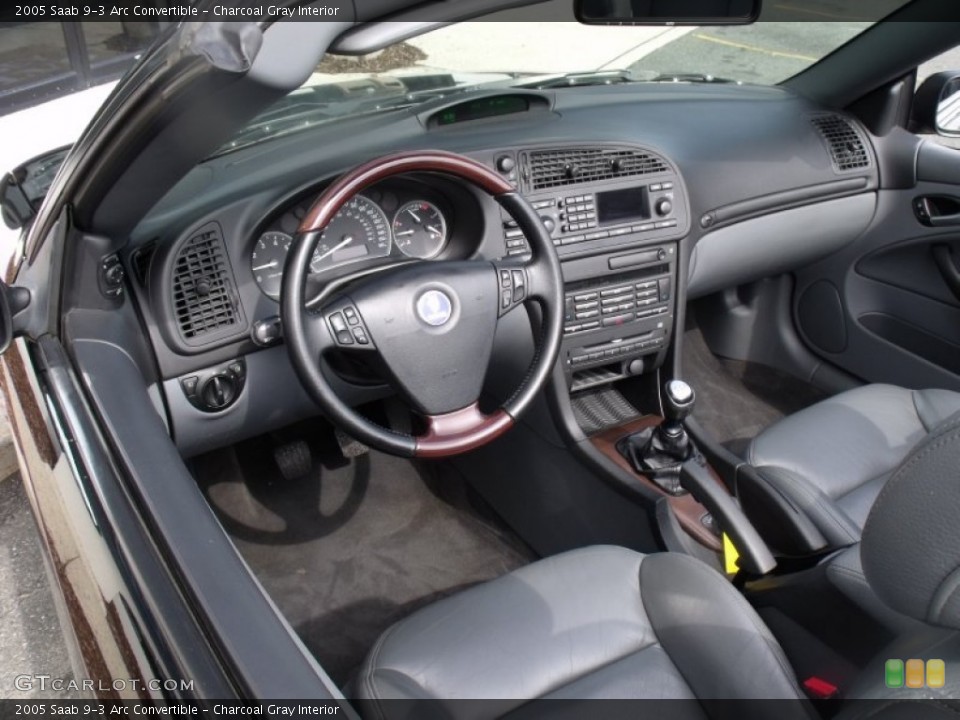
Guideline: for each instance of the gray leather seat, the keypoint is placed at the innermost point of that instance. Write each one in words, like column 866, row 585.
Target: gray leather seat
column 833, row 458
column 601, row 622
column 606, row 622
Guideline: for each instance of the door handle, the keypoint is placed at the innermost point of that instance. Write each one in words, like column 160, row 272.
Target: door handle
column 931, row 211
column 945, row 220
column 943, row 257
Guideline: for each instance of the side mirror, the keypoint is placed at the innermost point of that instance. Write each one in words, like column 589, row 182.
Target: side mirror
column 936, row 106
column 23, row 188
column 666, row 12
column 13, row 301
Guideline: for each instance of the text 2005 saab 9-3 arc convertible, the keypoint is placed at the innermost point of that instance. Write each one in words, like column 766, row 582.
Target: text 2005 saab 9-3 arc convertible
column 413, row 358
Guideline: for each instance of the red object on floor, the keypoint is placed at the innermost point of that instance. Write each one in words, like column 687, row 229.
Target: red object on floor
column 820, row 689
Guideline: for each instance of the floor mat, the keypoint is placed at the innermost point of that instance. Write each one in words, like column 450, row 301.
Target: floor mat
column 736, row 400
column 346, row 551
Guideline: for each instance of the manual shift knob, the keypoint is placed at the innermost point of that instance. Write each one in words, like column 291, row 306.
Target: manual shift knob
column 678, row 401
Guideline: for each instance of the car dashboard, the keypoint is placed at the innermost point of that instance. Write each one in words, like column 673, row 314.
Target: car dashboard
column 649, row 193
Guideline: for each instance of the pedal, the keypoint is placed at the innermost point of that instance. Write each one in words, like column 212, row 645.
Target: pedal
column 293, row 459
column 350, row 447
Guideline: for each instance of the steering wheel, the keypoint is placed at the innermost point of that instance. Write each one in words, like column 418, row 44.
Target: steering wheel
column 432, row 323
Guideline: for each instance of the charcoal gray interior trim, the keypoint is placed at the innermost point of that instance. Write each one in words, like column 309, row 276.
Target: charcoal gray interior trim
column 775, row 243
column 244, row 618
column 775, row 201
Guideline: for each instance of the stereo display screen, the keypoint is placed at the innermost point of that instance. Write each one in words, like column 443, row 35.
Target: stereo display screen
column 617, row 206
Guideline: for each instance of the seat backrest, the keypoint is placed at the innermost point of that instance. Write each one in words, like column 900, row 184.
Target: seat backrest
column 910, row 546
column 910, row 551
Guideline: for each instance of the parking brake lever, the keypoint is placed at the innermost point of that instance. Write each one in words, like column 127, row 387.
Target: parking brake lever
column 755, row 556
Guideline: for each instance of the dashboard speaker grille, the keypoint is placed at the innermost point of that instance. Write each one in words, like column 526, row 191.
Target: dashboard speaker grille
column 570, row 166
column 847, row 148
column 203, row 292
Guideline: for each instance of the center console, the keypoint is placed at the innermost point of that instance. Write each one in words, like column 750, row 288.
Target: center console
column 616, row 214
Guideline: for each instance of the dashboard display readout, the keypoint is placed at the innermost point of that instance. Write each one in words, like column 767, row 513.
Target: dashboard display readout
column 617, row 206
column 481, row 108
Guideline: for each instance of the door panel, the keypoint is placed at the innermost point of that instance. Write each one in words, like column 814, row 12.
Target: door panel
column 897, row 313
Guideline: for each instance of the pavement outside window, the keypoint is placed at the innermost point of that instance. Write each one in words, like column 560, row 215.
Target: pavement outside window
column 31, row 640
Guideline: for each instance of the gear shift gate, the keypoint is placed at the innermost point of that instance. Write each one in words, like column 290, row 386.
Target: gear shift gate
column 659, row 452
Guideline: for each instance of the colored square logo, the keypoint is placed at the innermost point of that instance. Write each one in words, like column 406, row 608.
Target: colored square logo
column 914, row 673
column 936, row 674
column 893, row 673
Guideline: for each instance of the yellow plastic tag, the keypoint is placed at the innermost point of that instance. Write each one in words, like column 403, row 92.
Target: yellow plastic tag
column 730, row 556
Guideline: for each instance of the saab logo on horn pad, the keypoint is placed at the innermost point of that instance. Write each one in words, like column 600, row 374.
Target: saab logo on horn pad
column 434, row 308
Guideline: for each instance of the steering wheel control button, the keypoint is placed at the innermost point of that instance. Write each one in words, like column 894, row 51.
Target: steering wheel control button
column 337, row 322
column 519, row 285
column 434, row 308
column 346, row 325
column 513, row 284
column 339, row 327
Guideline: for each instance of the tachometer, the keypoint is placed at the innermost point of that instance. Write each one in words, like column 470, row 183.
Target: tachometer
column 359, row 230
column 267, row 259
column 420, row 229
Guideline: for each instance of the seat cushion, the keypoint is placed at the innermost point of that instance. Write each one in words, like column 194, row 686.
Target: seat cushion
column 833, row 458
column 600, row 622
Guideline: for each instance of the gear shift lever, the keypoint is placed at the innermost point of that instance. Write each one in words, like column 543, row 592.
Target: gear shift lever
column 658, row 452
column 665, row 455
column 678, row 401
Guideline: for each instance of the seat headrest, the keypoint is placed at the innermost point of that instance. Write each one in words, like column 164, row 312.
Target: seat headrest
column 910, row 547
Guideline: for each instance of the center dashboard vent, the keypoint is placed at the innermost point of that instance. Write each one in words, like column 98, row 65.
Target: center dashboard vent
column 569, row 166
column 848, row 151
column 204, row 296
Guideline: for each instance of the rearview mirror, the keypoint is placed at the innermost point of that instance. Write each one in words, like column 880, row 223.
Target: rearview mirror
column 936, row 106
column 666, row 12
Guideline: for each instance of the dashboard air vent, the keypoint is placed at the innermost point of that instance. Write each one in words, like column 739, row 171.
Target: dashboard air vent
column 203, row 290
column 847, row 148
column 569, row 166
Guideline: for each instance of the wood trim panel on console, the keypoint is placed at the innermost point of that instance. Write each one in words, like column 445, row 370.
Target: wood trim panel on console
column 687, row 510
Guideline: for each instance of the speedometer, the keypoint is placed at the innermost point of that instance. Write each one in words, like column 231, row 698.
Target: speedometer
column 358, row 231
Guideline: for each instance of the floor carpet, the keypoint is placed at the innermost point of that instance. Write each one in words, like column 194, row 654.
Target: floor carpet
column 736, row 400
column 351, row 548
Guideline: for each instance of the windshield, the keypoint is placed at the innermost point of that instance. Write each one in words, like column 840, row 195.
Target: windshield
column 480, row 55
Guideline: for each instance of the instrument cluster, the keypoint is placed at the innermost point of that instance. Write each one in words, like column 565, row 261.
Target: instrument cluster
column 379, row 223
